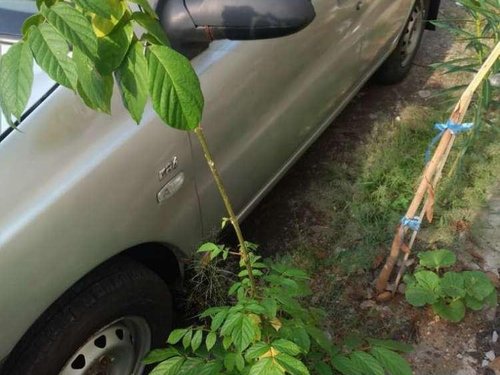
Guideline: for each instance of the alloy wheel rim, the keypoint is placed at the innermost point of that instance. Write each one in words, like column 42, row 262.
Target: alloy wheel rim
column 116, row 349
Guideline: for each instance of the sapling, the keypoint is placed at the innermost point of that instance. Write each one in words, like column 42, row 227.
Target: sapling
column 88, row 46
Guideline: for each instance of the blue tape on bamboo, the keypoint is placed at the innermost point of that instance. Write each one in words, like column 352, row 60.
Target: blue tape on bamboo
column 453, row 127
column 411, row 223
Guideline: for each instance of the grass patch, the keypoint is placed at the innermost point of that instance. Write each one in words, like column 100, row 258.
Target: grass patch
column 363, row 193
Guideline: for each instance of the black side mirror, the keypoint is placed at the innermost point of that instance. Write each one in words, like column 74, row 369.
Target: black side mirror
column 195, row 21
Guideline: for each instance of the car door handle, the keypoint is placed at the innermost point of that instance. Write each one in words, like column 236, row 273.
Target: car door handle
column 170, row 188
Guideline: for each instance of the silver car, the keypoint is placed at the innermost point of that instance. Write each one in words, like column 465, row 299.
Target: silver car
column 98, row 213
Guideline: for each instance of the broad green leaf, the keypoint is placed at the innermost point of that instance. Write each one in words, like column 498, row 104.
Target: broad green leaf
column 418, row 296
column 353, row 341
column 235, row 288
column 103, row 8
column 144, row 4
column 322, row 368
column 159, row 355
column 292, row 365
column 298, row 335
column 95, row 89
column 243, row 333
column 289, row 304
column 367, row 363
column 216, row 253
column 240, row 362
column 197, row 339
column 491, row 299
column 473, row 303
column 152, row 26
column 409, row 280
column 186, row 340
column 103, row 26
column 296, row 273
column 286, row 346
column 477, row 284
column 391, row 345
column 345, row 365
column 51, row 54
column 391, row 361
column 452, row 284
column 208, row 247
column 230, row 323
column 169, row 367
column 112, row 49
column 132, row 81
column 174, row 88
column 192, row 366
column 16, row 80
column 176, row 335
column 453, row 311
column 45, row 2
column 210, row 368
column 255, row 307
column 230, row 361
column 210, row 340
column 218, row 319
column 271, row 307
column 33, row 20
column 437, row 258
column 427, row 280
column 226, row 342
column 211, row 311
column 73, row 26
column 256, row 350
column 320, row 337
column 266, row 366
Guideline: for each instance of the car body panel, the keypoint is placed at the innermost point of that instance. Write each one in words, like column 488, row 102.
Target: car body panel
column 381, row 22
column 265, row 99
column 80, row 187
column 75, row 193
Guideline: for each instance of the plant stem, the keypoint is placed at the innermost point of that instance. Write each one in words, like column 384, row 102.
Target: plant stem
column 229, row 208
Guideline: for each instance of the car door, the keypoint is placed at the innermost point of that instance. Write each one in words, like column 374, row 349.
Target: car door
column 381, row 22
column 265, row 99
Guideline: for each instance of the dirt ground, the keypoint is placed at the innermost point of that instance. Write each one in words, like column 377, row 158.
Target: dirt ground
column 441, row 348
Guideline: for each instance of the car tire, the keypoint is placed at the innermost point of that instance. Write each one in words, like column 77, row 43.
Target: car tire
column 397, row 66
column 106, row 321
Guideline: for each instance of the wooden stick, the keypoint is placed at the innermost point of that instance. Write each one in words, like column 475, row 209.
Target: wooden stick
column 423, row 212
column 434, row 167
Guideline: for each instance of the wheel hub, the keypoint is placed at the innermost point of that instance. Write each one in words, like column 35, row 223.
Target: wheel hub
column 116, row 349
column 411, row 34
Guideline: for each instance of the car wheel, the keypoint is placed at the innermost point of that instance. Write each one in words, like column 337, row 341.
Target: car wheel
column 104, row 325
column 398, row 64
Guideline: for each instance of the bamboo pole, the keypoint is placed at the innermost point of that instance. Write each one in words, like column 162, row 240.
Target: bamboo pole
column 425, row 211
column 433, row 169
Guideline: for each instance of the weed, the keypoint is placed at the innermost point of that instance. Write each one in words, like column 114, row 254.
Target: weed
column 450, row 293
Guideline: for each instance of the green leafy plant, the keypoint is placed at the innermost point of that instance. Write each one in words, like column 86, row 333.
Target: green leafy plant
column 87, row 46
column 449, row 294
column 268, row 331
column 480, row 33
